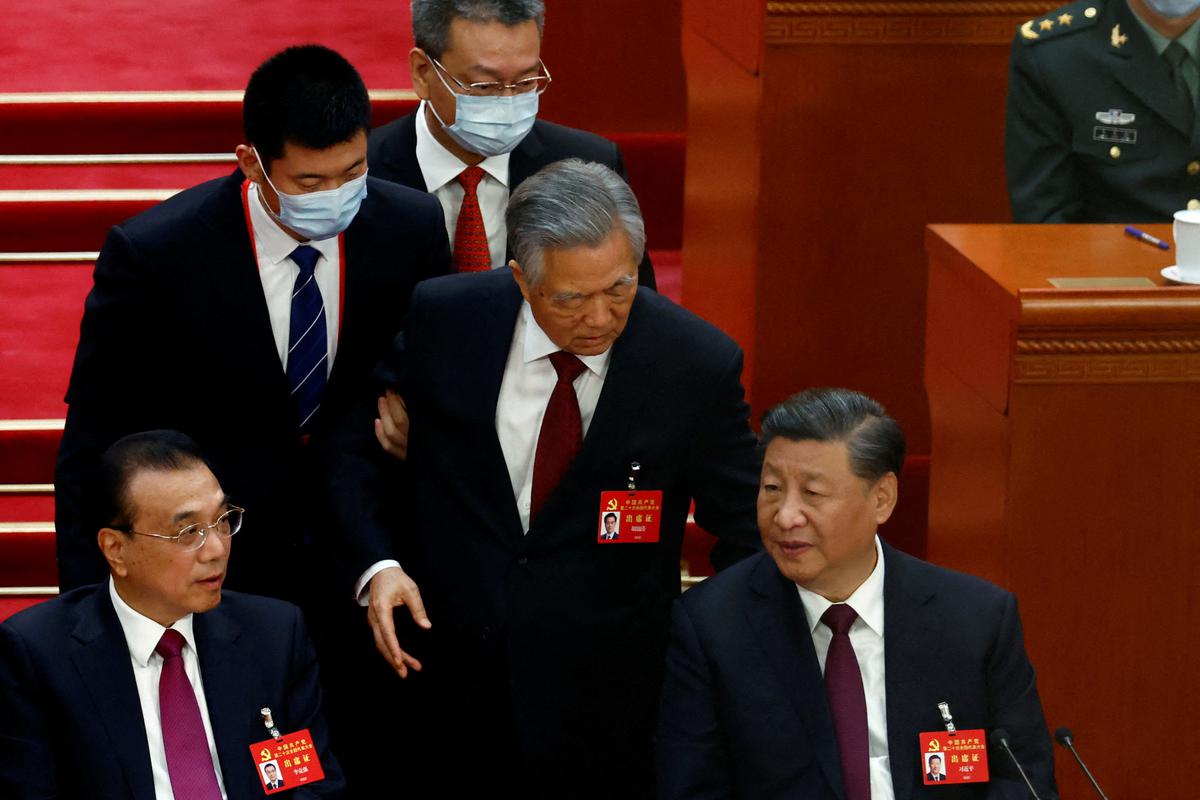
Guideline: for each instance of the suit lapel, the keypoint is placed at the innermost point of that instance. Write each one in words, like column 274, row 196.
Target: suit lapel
column 231, row 272
column 526, row 158
column 485, row 362
column 400, row 154
column 226, row 659
column 911, row 641
column 101, row 657
column 1141, row 70
column 777, row 617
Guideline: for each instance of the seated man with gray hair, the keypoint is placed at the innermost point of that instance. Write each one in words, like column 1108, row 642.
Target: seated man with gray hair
column 540, row 396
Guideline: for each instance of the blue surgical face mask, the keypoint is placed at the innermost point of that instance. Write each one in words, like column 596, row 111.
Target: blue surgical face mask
column 319, row 215
column 489, row 126
column 1174, row 9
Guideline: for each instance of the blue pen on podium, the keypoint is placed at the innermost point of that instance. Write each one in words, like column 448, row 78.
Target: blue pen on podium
column 1147, row 238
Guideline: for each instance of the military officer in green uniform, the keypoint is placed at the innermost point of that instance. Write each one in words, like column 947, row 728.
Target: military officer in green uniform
column 1102, row 105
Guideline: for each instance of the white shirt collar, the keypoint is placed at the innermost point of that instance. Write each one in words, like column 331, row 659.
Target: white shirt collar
column 439, row 166
column 142, row 633
column 867, row 600
column 272, row 241
column 538, row 345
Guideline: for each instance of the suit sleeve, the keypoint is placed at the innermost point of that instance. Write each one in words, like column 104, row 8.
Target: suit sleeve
column 105, row 396
column 27, row 766
column 1043, row 185
column 1016, row 707
column 363, row 481
column 691, row 757
column 645, row 269
column 723, row 468
column 304, row 694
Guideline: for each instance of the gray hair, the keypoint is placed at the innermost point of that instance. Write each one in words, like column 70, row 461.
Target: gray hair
column 431, row 18
column 873, row 439
column 571, row 203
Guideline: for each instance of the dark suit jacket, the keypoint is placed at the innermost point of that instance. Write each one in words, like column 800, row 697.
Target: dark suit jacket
column 1062, row 166
column 392, row 155
column 176, row 334
column 554, row 610
column 744, row 710
column 929, row 776
column 70, row 721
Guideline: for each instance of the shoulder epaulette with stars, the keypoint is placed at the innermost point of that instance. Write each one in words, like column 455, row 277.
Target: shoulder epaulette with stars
column 1061, row 21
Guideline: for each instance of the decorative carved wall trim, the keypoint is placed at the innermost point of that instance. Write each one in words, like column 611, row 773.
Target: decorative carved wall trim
column 1129, row 368
column 1014, row 8
column 1106, row 346
column 874, row 23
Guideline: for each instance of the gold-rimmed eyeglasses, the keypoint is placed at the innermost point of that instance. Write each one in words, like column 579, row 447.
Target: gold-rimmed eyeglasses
column 195, row 535
column 536, row 83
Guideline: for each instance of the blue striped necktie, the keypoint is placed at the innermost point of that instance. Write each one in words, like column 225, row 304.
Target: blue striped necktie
column 308, row 349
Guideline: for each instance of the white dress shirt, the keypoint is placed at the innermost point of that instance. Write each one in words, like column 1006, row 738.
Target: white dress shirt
column 529, row 379
column 278, row 274
column 142, row 635
column 440, row 168
column 866, row 636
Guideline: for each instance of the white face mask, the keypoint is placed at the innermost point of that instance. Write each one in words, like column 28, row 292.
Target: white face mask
column 319, row 215
column 489, row 125
column 1174, row 9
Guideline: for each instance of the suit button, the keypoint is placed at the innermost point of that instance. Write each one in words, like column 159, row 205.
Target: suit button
column 1114, row 151
column 485, row 632
column 523, row 560
column 1193, row 204
column 1194, row 168
column 1090, row 13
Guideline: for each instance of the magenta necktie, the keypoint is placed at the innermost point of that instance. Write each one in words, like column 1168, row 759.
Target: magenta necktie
column 848, row 702
column 561, row 435
column 189, row 761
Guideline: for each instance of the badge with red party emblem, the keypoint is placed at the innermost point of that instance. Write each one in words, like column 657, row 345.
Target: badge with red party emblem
column 629, row 517
column 950, row 758
column 285, row 762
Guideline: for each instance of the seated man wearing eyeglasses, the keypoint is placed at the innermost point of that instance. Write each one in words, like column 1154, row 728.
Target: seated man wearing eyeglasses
column 155, row 683
column 476, row 136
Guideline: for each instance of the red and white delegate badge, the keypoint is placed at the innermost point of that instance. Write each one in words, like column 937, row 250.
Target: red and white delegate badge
column 960, row 757
column 287, row 762
column 629, row 517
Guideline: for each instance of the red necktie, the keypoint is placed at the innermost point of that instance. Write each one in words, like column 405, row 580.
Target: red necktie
column 189, row 761
column 561, row 435
column 848, row 702
column 471, row 252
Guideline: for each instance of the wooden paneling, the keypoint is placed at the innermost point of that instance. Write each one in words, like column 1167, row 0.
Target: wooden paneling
column 1080, row 493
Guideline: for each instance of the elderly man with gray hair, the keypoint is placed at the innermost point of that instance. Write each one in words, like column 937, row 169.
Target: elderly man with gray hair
column 542, row 396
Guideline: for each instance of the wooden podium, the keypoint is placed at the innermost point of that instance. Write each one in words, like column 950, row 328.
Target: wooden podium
column 1064, row 388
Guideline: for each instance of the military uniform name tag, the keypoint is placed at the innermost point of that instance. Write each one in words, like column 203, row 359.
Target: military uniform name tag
column 1103, row 133
column 952, row 758
column 286, row 762
column 631, row 516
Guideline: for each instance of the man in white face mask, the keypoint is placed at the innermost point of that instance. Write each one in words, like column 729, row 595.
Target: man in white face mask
column 476, row 136
column 1103, row 110
column 248, row 313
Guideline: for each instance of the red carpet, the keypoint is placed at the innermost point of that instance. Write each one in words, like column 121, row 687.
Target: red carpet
column 39, row 327
column 105, row 45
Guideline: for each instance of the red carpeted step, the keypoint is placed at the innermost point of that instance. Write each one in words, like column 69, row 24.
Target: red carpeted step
column 26, row 501
column 11, row 605
column 83, row 172
column 143, row 123
column 198, row 44
column 27, row 554
column 68, row 220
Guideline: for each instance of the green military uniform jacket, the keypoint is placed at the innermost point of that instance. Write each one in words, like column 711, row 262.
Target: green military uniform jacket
column 1095, row 130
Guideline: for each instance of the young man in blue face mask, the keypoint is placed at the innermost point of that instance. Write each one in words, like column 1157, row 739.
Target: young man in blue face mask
column 1102, row 112
column 476, row 135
